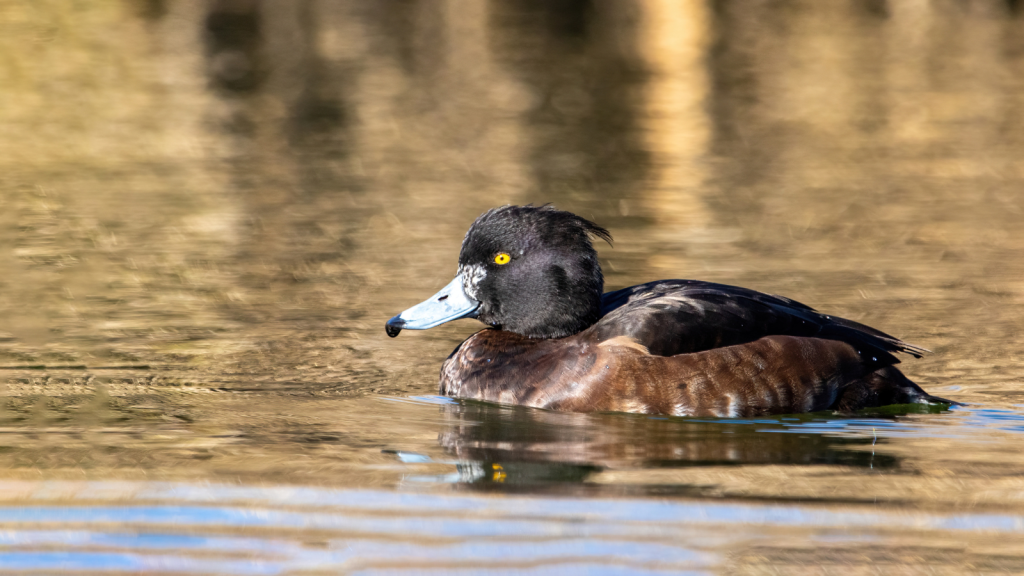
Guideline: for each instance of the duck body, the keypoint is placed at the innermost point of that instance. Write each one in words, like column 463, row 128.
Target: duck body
column 689, row 348
column 673, row 347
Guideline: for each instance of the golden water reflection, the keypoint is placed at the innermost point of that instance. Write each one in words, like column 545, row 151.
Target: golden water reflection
column 212, row 207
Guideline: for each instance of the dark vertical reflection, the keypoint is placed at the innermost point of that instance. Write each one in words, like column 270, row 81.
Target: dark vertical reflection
column 576, row 56
column 289, row 144
column 802, row 95
column 318, row 115
column 402, row 25
column 233, row 44
column 736, row 86
column 776, row 67
column 151, row 10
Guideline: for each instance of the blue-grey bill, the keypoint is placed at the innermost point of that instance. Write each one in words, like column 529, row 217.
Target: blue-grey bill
column 451, row 303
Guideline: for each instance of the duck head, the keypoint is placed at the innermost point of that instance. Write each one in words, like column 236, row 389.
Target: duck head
column 531, row 270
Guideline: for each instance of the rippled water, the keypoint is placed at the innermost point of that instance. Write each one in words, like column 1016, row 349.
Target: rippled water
column 209, row 209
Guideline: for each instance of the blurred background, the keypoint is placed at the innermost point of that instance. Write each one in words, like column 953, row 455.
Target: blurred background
column 208, row 209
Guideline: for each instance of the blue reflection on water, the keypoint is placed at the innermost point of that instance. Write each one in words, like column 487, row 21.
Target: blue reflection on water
column 112, row 561
column 187, row 528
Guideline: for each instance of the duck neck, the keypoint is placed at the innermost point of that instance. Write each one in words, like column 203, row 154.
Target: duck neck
column 566, row 309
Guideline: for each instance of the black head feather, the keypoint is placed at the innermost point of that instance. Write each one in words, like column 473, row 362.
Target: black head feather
column 550, row 287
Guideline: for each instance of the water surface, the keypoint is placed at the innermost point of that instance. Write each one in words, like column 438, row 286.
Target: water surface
column 209, row 210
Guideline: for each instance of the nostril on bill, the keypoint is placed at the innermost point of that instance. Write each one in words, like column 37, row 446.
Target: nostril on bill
column 445, row 297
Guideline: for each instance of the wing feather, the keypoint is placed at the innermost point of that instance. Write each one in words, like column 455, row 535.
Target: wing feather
column 672, row 317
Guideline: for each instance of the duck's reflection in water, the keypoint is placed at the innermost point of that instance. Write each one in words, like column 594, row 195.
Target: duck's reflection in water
column 522, row 448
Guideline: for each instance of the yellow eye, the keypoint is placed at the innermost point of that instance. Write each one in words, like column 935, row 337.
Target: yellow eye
column 502, row 258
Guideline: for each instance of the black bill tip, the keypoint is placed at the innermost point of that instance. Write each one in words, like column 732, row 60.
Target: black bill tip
column 394, row 326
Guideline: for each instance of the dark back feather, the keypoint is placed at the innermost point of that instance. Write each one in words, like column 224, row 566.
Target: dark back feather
column 683, row 316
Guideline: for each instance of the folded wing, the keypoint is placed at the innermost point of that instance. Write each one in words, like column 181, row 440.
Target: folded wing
column 672, row 317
